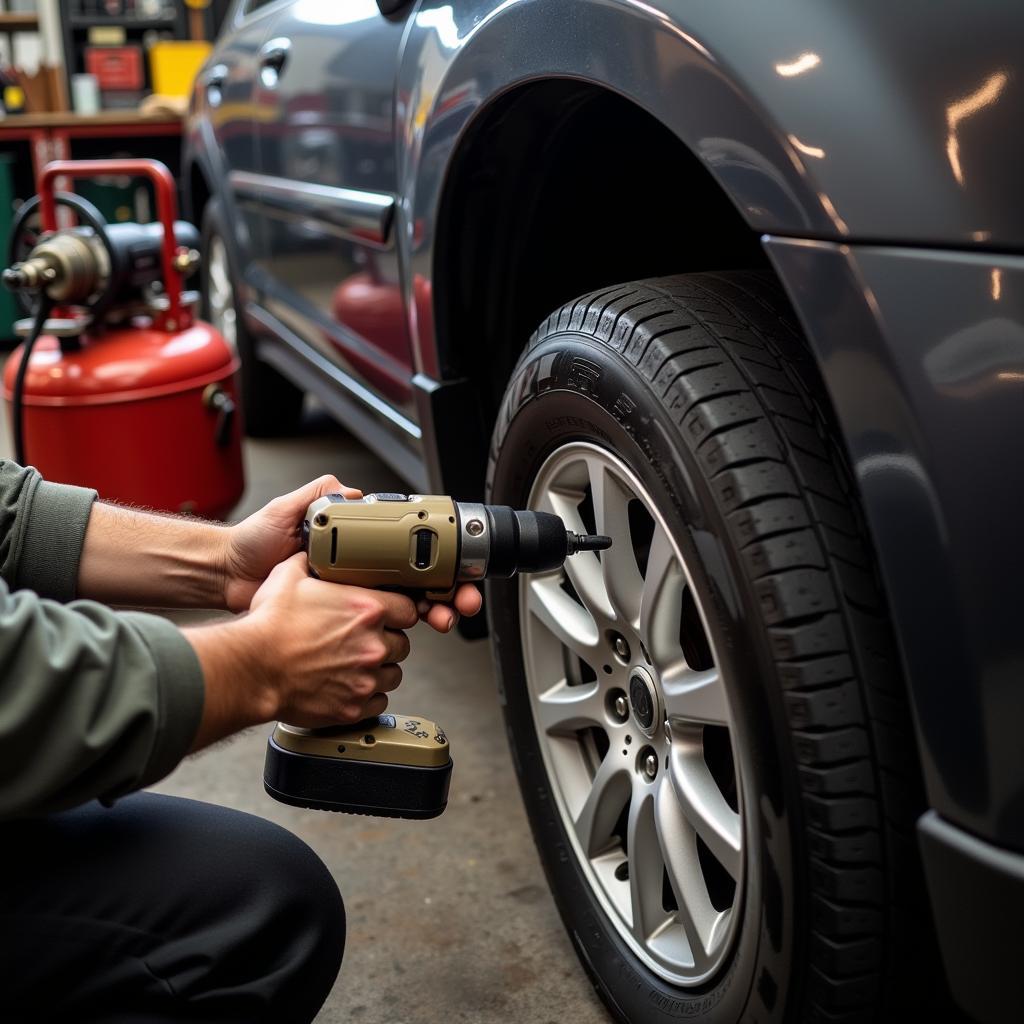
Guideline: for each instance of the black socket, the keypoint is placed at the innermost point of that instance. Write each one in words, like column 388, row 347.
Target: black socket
column 524, row 541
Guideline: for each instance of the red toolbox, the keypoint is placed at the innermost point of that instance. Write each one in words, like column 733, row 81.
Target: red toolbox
column 115, row 67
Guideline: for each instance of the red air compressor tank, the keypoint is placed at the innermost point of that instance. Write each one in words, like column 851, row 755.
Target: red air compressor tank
column 134, row 414
column 141, row 408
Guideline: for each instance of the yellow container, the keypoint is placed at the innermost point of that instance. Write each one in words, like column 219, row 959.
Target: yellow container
column 173, row 65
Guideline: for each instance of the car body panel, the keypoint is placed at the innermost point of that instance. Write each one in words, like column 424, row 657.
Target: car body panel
column 325, row 190
column 848, row 120
column 923, row 354
column 980, row 935
column 819, row 121
column 228, row 136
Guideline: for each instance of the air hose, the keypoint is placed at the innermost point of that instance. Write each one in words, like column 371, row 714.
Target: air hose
column 18, row 395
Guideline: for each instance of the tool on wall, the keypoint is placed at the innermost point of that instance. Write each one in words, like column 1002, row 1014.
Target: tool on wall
column 116, row 378
column 400, row 766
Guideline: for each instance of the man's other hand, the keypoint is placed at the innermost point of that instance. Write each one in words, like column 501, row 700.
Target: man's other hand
column 268, row 537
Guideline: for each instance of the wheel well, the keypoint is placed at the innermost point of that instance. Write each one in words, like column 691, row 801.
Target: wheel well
column 559, row 188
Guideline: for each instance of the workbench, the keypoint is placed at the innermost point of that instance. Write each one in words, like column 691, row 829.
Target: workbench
column 61, row 136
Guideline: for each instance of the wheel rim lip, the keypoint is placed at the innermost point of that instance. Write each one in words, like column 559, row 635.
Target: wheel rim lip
column 220, row 295
column 561, row 457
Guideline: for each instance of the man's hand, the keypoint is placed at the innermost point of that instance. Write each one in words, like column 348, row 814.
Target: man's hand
column 309, row 653
column 332, row 652
column 467, row 601
column 257, row 544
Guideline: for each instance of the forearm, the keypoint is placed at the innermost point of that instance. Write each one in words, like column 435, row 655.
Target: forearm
column 237, row 693
column 142, row 559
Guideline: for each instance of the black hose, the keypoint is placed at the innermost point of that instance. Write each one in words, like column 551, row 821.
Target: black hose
column 18, row 395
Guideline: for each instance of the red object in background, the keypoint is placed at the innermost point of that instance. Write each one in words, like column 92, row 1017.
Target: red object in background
column 126, row 415
column 115, row 67
column 375, row 310
column 127, row 410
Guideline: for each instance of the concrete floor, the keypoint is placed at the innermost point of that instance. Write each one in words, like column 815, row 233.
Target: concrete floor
column 455, row 910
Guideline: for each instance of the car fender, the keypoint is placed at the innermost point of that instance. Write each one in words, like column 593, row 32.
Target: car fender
column 825, row 121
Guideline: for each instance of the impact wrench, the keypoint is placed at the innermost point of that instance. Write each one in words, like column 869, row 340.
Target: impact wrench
column 399, row 766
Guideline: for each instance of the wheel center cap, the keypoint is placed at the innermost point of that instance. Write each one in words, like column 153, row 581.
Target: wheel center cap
column 644, row 701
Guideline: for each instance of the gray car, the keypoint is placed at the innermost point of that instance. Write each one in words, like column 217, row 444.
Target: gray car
column 737, row 284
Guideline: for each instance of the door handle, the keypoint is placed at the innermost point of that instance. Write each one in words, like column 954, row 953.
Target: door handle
column 273, row 57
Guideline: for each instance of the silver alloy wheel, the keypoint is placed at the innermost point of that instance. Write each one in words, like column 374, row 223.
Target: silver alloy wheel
column 634, row 720
column 220, row 294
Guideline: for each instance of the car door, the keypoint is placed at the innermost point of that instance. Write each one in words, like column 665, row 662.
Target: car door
column 326, row 189
column 235, row 109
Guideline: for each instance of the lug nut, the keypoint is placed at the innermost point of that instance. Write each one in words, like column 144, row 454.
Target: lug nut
column 651, row 765
column 617, row 705
column 621, row 647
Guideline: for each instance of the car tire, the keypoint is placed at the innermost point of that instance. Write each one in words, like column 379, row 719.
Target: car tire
column 271, row 404
column 696, row 397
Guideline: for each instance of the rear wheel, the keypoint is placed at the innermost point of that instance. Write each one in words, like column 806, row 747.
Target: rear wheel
column 709, row 725
column 271, row 404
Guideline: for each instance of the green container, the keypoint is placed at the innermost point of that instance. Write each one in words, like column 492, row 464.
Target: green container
column 9, row 309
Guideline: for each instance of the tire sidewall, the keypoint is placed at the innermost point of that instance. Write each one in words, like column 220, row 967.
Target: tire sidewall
column 213, row 226
column 570, row 387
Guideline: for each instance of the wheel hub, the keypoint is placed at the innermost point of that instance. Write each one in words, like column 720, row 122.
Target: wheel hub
column 644, row 701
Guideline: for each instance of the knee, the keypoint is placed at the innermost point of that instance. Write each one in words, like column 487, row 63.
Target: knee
column 296, row 924
column 310, row 896
column 287, row 931
column 307, row 905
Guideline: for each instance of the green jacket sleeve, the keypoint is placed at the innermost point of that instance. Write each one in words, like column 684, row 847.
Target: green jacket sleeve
column 93, row 703
column 42, row 529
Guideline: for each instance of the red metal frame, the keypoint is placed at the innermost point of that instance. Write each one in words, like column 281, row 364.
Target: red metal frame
column 177, row 315
column 53, row 141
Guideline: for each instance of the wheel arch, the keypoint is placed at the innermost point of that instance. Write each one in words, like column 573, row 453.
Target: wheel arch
column 530, row 216
column 519, row 127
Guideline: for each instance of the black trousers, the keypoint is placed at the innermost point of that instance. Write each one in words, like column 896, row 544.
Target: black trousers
column 160, row 909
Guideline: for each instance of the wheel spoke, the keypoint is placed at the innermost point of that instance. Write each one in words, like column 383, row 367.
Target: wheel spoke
column 694, row 696
column 583, row 569
column 566, row 709
column 661, row 601
column 701, row 801
column 602, row 805
column 679, row 850
column 622, row 580
column 567, row 619
column 218, row 268
column 645, row 864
